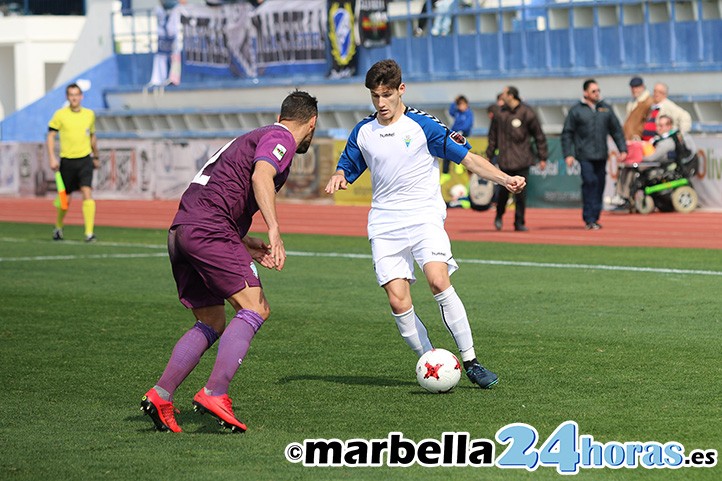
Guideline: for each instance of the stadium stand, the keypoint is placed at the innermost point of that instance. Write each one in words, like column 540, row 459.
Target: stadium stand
column 546, row 48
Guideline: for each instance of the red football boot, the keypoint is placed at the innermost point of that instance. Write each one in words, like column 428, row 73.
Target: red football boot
column 220, row 407
column 162, row 412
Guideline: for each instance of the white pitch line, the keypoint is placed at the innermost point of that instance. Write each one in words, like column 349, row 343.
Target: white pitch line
column 347, row 255
column 658, row 270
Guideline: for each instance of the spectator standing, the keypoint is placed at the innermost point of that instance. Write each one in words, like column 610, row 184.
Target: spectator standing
column 463, row 122
column 584, row 138
column 637, row 110
column 419, row 31
column 167, row 59
column 510, row 137
column 442, row 21
column 681, row 119
column 75, row 126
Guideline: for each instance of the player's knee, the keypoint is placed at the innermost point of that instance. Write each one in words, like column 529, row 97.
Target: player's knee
column 264, row 311
column 438, row 284
column 399, row 304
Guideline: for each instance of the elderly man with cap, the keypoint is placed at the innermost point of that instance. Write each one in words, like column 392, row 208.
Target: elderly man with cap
column 637, row 109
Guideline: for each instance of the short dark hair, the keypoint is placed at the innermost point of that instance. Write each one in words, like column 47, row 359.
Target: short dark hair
column 299, row 106
column 513, row 91
column 73, row 86
column 462, row 98
column 587, row 83
column 384, row 72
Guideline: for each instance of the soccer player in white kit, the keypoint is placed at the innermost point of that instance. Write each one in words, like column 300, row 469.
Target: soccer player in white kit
column 399, row 146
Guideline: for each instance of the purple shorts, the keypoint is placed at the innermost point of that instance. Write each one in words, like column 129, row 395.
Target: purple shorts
column 209, row 265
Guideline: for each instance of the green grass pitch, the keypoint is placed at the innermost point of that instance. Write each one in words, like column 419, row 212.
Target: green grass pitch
column 624, row 341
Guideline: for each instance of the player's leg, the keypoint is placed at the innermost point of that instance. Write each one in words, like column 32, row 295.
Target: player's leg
column 252, row 310
column 85, row 180
column 394, row 267
column 433, row 253
column 410, row 327
column 210, row 315
column 228, row 269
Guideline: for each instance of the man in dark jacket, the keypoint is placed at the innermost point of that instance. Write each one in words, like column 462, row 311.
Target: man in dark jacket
column 584, row 138
column 512, row 128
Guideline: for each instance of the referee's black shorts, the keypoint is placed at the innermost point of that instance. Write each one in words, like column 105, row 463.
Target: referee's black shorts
column 76, row 173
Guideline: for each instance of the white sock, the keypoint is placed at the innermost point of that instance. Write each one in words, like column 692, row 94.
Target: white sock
column 413, row 331
column 453, row 314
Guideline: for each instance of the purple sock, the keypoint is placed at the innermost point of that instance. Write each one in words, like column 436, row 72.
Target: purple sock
column 232, row 348
column 186, row 355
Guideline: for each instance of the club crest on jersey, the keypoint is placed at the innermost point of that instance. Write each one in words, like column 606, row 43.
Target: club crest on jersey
column 279, row 151
column 458, row 137
column 407, row 140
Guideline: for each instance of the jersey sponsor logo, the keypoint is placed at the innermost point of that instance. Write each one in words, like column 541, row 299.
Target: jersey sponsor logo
column 279, row 151
column 390, row 134
column 516, row 123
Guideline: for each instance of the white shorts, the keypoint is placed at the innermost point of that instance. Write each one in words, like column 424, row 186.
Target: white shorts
column 394, row 252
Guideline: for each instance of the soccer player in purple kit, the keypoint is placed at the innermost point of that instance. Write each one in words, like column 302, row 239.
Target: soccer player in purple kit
column 212, row 257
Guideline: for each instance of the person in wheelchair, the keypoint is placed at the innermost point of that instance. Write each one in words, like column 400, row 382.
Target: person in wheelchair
column 672, row 158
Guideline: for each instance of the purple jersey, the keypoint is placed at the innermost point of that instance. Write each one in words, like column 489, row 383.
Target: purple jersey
column 222, row 192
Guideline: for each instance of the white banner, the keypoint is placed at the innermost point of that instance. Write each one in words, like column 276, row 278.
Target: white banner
column 708, row 179
column 9, row 169
column 240, row 41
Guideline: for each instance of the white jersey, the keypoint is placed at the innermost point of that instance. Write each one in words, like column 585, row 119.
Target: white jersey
column 401, row 158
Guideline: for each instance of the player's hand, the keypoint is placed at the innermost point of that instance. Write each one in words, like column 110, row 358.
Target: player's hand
column 515, row 184
column 260, row 251
column 96, row 162
column 54, row 165
column 336, row 182
column 542, row 164
column 278, row 251
column 569, row 160
column 622, row 156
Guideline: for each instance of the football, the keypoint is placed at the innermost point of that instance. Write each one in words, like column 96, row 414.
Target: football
column 438, row 371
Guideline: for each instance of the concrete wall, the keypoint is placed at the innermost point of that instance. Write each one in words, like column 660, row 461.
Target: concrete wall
column 27, row 44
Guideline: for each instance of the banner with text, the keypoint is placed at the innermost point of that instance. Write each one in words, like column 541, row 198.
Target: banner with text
column 237, row 40
column 373, row 23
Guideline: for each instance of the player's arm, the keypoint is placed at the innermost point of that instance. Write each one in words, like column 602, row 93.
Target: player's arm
column 337, row 182
column 350, row 165
column 50, row 143
column 260, row 251
column 264, row 191
column 486, row 170
column 94, row 146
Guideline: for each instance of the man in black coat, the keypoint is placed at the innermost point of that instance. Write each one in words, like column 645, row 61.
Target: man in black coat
column 584, row 138
column 512, row 129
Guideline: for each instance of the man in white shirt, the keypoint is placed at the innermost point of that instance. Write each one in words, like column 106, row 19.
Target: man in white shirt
column 681, row 119
column 398, row 145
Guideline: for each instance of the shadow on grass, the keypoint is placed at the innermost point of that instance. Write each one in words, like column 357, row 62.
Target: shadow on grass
column 350, row 380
